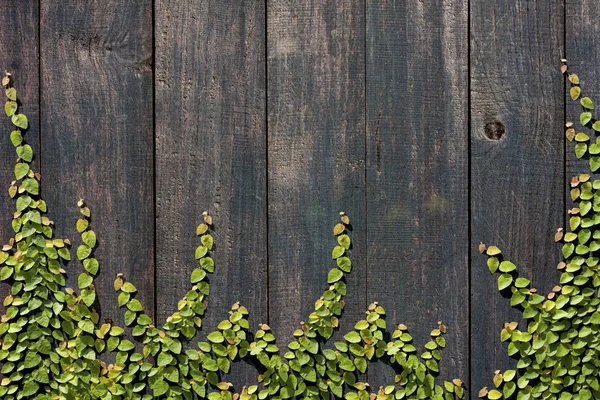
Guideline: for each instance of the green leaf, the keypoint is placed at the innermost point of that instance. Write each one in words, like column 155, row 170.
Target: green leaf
column 21, row 170
column 135, row 305
column 587, row 103
column 507, row 266
column 575, row 92
column 32, row 186
column 580, row 150
column 208, row 264
column 207, row 241
column 344, row 264
column 197, row 275
column 29, row 388
column 128, row 287
column 159, row 388
column 504, row 281
column 10, row 107
column 83, row 252
column 200, row 252
column 11, row 93
column 585, row 117
column 20, row 120
column 353, row 337
column 334, row 275
column 344, row 241
column 82, row 225
column 16, row 138
column 581, row 137
column 337, row 252
column 90, row 265
column 84, row 280
column 25, row 152
column 594, row 163
column 88, row 297
column 89, row 238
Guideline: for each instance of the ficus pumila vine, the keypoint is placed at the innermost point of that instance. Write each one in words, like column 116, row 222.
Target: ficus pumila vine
column 52, row 337
column 558, row 351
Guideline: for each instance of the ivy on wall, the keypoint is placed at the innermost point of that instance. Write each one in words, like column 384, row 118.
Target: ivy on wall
column 558, row 352
column 52, row 338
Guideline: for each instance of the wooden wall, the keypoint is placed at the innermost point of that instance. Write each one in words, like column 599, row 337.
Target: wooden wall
column 434, row 124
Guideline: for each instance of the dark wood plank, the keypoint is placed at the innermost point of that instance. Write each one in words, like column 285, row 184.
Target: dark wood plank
column 517, row 175
column 19, row 32
column 96, row 68
column 417, row 173
column 316, row 155
column 211, row 155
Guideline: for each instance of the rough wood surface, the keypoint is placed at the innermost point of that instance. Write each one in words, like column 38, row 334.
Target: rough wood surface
column 97, row 142
column 211, row 155
column 517, row 175
column 417, row 173
column 19, row 31
column 316, row 154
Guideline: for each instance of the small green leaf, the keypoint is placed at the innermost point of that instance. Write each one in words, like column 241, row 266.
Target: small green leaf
column 587, row 103
column 334, row 275
column 207, row 241
column 20, row 120
column 89, row 238
column 21, row 170
column 197, row 275
column 84, row 280
column 344, row 241
column 25, row 152
column 16, row 138
column 31, row 186
column 83, row 251
column 159, row 388
column 11, row 93
column 580, row 150
column 585, row 117
column 337, row 252
column 575, row 92
column 344, row 264
column 504, row 281
column 10, row 107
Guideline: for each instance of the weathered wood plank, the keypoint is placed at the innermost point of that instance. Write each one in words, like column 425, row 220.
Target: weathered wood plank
column 96, row 68
column 211, row 155
column 316, row 154
column 417, row 173
column 517, row 175
column 19, row 32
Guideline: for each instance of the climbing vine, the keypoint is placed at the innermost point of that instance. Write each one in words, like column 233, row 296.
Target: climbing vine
column 558, row 351
column 52, row 338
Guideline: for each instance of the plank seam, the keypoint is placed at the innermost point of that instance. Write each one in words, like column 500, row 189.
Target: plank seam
column 366, row 20
column 470, row 196
column 154, row 212
column 268, row 260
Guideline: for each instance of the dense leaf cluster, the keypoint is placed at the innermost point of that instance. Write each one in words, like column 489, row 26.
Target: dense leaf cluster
column 52, row 337
column 559, row 350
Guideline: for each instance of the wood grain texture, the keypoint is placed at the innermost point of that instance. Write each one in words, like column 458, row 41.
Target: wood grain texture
column 517, row 175
column 19, row 23
column 316, row 154
column 211, row 155
column 417, row 173
column 97, row 141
